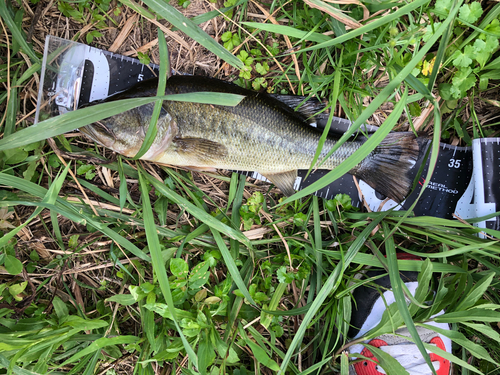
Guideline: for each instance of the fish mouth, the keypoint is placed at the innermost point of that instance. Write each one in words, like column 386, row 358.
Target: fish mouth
column 98, row 132
column 130, row 146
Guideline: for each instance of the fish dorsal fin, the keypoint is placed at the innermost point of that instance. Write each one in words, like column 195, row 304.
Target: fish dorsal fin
column 306, row 108
column 283, row 181
column 200, row 149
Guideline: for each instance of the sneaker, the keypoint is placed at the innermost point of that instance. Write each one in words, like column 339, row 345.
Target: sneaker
column 367, row 313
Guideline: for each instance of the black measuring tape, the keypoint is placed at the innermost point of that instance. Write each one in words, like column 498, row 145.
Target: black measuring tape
column 451, row 189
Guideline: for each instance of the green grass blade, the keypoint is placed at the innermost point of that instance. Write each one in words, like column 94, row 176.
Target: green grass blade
column 123, row 184
column 403, row 11
column 162, row 82
column 85, row 116
column 57, row 230
column 298, row 311
column 266, row 319
column 16, row 32
column 336, row 88
column 443, row 44
column 480, row 315
column 344, row 364
column 264, row 342
column 231, row 266
column 454, row 252
column 29, row 73
column 261, row 356
column 5, row 363
column 415, row 84
column 485, row 330
column 12, row 108
column 432, row 163
column 49, row 199
column 195, row 233
column 329, row 286
column 139, row 9
column 318, row 241
column 289, row 31
column 199, row 213
column 399, row 295
column 450, row 357
column 387, row 361
column 237, row 302
column 332, row 10
column 157, row 261
column 187, row 26
column 99, row 344
column 358, row 156
column 424, row 280
column 235, row 217
column 233, row 185
column 15, row 358
column 476, row 292
column 90, row 368
column 384, row 94
column 215, row 13
column 70, row 211
column 495, row 64
column 117, row 262
column 476, row 350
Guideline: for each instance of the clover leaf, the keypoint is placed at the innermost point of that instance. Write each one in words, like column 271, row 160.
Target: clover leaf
column 471, row 12
column 462, row 59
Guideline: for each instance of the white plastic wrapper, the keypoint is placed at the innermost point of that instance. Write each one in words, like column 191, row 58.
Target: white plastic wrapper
column 74, row 74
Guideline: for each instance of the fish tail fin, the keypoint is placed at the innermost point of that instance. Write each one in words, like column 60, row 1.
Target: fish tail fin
column 387, row 168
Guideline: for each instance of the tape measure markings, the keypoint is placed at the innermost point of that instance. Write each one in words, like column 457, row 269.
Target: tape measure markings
column 99, row 74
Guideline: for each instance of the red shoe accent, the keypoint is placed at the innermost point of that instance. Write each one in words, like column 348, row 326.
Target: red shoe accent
column 444, row 364
column 367, row 367
column 406, row 256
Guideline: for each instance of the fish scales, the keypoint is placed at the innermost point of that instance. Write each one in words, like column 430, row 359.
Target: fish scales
column 255, row 135
column 261, row 133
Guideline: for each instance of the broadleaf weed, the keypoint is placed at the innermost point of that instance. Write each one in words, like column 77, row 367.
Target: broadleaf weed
column 243, row 271
column 471, row 59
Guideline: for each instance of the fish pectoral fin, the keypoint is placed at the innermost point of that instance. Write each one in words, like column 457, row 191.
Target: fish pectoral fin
column 283, row 181
column 200, row 149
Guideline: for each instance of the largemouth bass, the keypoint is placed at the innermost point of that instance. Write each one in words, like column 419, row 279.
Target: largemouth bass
column 260, row 134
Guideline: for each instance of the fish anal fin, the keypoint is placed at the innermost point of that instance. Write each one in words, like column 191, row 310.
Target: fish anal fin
column 200, row 149
column 283, row 181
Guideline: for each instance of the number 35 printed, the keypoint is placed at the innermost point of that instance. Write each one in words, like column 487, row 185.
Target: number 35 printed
column 454, row 163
